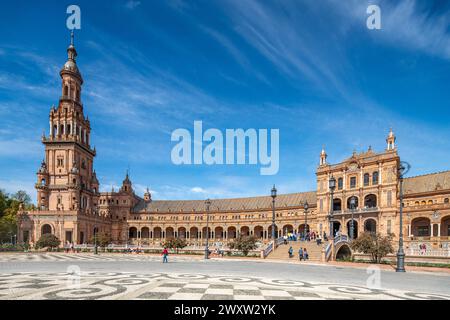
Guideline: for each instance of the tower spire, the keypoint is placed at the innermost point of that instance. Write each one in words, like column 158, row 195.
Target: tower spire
column 72, row 34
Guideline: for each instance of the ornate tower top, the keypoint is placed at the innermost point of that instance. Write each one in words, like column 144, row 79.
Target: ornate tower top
column 390, row 140
column 147, row 196
column 70, row 68
column 323, row 157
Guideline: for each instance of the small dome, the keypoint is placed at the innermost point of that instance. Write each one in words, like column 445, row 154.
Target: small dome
column 70, row 65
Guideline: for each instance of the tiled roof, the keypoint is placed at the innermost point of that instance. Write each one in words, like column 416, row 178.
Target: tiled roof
column 427, row 182
column 253, row 203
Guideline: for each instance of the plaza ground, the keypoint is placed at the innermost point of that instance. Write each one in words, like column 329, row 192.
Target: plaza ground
column 127, row 276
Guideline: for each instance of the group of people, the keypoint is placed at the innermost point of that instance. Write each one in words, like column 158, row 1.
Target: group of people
column 302, row 253
column 308, row 236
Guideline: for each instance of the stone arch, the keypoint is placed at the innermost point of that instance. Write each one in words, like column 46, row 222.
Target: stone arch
column 370, row 201
column 181, row 232
column 258, row 231
column 132, row 233
column 193, row 233
column 245, row 231
column 157, row 232
column 343, row 252
column 170, row 233
column 218, row 233
column 145, row 232
column 445, row 226
column 337, row 204
column 356, row 203
column 420, row 227
column 269, row 230
column 287, row 228
column 370, row 225
column 231, row 232
column 46, row 229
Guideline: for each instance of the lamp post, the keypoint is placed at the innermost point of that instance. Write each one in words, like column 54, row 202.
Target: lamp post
column 402, row 170
column 332, row 186
column 273, row 194
column 95, row 241
column 352, row 208
column 305, row 207
column 208, row 204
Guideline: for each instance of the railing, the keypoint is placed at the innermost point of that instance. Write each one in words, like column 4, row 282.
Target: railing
column 428, row 252
column 267, row 250
column 328, row 251
column 279, row 241
column 341, row 238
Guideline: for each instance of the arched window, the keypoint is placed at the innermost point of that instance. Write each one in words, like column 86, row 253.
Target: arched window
column 353, row 182
column 340, row 183
column 430, row 202
column 66, row 91
column 366, row 179
column 375, row 177
column 446, row 200
column 43, row 182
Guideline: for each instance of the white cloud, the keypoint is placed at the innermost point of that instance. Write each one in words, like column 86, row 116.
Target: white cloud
column 131, row 4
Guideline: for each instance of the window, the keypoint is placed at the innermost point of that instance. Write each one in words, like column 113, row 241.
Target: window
column 366, row 179
column 353, row 182
column 422, row 231
column 389, row 198
column 375, row 177
column 340, row 183
column 389, row 227
column 60, row 162
column 446, row 200
column 321, row 204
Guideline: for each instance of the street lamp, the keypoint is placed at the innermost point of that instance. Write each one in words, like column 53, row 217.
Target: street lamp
column 332, row 186
column 95, row 241
column 208, row 204
column 402, row 170
column 273, row 194
column 305, row 207
column 352, row 208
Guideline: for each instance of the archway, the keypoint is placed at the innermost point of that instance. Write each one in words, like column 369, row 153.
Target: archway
column 46, row 229
column 420, row 227
column 245, row 231
column 182, row 232
column 270, row 232
column 337, row 204
column 145, row 233
column 258, row 231
column 344, row 253
column 445, row 226
column 356, row 202
column 336, row 227
column 157, row 233
column 355, row 228
column 169, row 233
column 218, row 233
column 287, row 228
column 132, row 233
column 370, row 201
column 370, row 225
column 193, row 233
column 231, row 231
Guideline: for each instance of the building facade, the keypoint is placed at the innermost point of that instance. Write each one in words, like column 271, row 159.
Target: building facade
column 70, row 205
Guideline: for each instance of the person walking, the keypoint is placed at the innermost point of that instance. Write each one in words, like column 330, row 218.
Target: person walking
column 291, row 252
column 300, row 254
column 165, row 254
column 305, row 254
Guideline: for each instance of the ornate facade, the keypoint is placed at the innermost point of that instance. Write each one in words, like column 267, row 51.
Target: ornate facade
column 71, row 206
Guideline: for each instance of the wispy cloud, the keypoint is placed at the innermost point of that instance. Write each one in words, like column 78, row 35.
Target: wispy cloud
column 132, row 4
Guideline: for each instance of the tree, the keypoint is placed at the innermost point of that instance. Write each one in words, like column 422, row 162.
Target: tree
column 48, row 241
column 102, row 239
column 244, row 244
column 175, row 243
column 375, row 244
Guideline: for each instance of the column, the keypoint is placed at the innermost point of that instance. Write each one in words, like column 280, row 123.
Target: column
column 439, row 229
column 409, row 230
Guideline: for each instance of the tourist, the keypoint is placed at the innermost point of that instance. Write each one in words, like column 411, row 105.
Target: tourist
column 300, row 254
column 165, row 254
column 305, row 254
column 71, row 247
column 318, row 239
column 291, row 252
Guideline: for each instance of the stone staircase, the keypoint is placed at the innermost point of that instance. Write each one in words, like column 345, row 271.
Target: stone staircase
column 281, row 253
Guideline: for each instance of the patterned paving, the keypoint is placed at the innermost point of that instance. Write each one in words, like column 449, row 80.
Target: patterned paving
column 98, row 285
column 38, row 257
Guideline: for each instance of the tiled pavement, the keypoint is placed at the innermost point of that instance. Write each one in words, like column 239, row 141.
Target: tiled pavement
column 103, row 285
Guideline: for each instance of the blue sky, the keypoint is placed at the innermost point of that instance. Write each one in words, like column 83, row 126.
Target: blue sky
column 308, row 68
